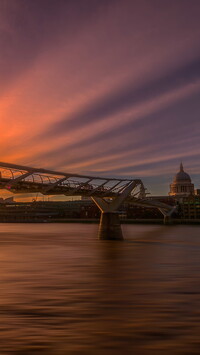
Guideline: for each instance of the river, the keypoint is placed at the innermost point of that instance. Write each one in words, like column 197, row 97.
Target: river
column 65, row 292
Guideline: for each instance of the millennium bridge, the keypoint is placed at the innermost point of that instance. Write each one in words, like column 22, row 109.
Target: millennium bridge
column 107, row 193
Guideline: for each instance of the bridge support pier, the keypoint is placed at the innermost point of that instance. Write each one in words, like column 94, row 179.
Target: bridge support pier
column 167, row 216
column 110, row 227
column 167, row 220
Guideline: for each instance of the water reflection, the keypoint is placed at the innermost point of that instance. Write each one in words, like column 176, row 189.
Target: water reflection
column 65, row 292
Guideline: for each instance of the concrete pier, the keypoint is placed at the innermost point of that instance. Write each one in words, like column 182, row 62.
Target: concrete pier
column 110, row 227
column 167, row 220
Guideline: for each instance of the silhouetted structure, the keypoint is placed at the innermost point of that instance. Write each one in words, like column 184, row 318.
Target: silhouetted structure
column 182, row 185
column 107, row 193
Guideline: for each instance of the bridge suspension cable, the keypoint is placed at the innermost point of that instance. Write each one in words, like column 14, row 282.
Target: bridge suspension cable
column 107, row 193
column 24, row 179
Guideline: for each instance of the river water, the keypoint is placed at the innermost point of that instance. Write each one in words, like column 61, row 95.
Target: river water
column 62, row 291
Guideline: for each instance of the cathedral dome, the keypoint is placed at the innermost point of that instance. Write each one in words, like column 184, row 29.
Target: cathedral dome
column 182, row 185
column 181, row 175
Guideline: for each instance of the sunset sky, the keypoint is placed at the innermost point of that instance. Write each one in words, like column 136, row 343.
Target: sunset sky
column 102, row 87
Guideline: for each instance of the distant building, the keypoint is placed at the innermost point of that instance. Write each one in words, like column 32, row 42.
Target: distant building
column 7, row 200
column 187, row 198
column 47, row 211
column 190, row 207
column 181, row 185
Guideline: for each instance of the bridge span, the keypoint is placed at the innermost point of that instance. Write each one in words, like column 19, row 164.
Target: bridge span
column 107, row 193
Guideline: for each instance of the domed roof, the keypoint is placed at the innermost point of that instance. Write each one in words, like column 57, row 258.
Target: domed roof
column 181, row 175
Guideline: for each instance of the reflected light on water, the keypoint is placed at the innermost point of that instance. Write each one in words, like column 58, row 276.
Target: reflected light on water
column 65, row 292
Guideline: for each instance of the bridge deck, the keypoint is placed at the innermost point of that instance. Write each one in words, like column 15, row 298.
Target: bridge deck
column 23, row 179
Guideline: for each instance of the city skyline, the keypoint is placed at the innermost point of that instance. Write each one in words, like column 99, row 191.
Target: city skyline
column 7, row 195
column 106, row 88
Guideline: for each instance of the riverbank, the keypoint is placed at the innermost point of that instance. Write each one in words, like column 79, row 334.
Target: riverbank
column 96, row 221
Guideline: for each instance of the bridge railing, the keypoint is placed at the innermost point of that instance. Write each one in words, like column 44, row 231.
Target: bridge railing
column 19, row 179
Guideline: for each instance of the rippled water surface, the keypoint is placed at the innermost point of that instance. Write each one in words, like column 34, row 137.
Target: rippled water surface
column 62, row 291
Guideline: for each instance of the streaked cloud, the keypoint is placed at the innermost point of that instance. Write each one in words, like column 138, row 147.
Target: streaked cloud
column 107, row 87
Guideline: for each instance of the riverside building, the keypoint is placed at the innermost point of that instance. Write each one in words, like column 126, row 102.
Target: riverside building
column 181, row 185
column 188, row 199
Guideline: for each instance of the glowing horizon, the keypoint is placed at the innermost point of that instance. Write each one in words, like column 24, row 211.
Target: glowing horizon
column 107, row 88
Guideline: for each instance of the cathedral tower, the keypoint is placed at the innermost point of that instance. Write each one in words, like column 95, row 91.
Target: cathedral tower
column 182, row 185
